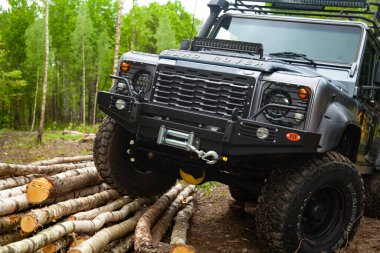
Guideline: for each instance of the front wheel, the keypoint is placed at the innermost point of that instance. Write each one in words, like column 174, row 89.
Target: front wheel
column 311, row 206
column 124, row 167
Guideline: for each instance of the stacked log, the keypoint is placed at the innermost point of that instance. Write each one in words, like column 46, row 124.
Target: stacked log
column 62, row 205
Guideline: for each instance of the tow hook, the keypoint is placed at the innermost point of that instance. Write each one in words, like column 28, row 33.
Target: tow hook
column 211, row 157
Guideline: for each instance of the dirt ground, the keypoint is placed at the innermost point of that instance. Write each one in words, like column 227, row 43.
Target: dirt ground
column 219, row 225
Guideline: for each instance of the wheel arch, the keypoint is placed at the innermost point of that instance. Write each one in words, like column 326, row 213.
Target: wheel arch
column 337, row 124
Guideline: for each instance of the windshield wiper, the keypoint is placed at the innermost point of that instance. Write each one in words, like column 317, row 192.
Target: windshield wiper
column 293, row 55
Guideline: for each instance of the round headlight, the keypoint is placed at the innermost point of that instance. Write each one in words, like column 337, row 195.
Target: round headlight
column 143, row 82
column 262, row 133
column 277, row 97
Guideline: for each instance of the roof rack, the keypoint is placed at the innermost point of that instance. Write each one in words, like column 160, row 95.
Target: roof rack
column 345, row 9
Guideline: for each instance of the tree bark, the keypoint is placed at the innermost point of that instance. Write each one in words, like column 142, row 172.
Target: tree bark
column 22, row 170
column 96, row 96
column 12, row 192
column 41, row 189
column 123, row 245
column 10, row 222
column 11, row 237
column 107, row 235
column 179, row 233
column 159, row 229
column 12, row 182
column 88, row 215
column 35, row 100
column 39, row 217
column 133, row 39
column 20, row 202
column 143, row 233
column 56, row 246
column 83, row 83
column 59, row 160
column 46, row 73
column 117, row 36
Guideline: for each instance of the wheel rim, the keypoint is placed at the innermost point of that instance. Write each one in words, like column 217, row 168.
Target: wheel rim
column 137, row 160
column 322, row 215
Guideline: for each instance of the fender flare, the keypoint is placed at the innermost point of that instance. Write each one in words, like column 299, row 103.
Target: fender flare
column 336, row 120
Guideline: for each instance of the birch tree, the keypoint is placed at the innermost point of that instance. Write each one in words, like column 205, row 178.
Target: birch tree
column 117, row 35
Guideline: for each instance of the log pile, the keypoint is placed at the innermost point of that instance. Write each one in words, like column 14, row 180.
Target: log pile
column 63, row 205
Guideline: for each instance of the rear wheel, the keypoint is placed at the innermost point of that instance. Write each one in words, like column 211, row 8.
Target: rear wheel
column 313, row 206
column 126, row 169
column 372, row 200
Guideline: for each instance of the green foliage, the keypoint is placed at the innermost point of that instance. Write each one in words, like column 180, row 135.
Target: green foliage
column 74, row 26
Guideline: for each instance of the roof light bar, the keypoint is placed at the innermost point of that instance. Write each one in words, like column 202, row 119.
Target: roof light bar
column 337, row 3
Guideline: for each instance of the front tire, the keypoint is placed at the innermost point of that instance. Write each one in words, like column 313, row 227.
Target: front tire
column 125, row 170
column 311, row 205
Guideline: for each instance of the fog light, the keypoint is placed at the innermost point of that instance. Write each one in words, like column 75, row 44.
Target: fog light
column 298, row 117
column 120, row 104
column 122, row 86
column 262, row 133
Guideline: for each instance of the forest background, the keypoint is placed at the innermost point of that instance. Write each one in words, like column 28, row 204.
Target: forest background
column 82, row 37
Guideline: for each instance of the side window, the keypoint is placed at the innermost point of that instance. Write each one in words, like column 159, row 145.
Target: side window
column 368, row 64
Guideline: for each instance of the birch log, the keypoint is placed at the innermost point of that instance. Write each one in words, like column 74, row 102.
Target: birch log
column 60, row 160
column 12, row 182
column 90, row 214
column 39, row 217
column 58, row 245
column 107, row 235
column 11, row 237
column 123, row 245
column 20, row 202
column 21, row 170
column 159, row 229
column 181, row 225
column 43, row 188
column 12, row 192
column 10, row 222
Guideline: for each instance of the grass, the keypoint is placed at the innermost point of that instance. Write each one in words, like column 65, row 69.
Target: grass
column 208, row 187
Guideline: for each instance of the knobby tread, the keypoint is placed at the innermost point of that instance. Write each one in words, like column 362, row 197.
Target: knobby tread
column 101, row 143
column 372, row 201
column 278, row 193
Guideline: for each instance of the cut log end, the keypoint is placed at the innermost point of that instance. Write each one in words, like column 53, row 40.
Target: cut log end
column 50, row 248
column 28, row 224
column 38, row 190
column 182, row 248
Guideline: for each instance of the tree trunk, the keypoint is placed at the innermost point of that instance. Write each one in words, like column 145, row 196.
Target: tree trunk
column 11, row 237
column 83, row 84
column 159, row 229
column 143, row 234
column 96, row 96
column 22, row 170
column 117, row 36
column 20, row 202
column 179, row 233
column 133, row 39
column 89, row 215
column 39, row 217
column 59, row 160
column 46, row 72
column 107, row 235
column 35, row 100
column 12, row 192
column 12, row 182
column 41, row 189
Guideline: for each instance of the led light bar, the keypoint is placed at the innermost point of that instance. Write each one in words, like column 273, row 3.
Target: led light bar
column 337, row 3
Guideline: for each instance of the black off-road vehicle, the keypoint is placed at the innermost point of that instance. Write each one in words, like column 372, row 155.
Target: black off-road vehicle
column 280, row 101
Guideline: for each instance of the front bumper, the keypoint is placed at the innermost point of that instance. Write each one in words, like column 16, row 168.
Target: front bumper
column 225, row 136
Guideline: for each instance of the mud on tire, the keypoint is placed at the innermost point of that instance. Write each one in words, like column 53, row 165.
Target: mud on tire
column 311, row 206
column 372, row 200
column 139, row 178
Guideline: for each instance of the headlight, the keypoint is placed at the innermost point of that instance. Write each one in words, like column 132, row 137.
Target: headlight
column 276, row 97
column 142, row 82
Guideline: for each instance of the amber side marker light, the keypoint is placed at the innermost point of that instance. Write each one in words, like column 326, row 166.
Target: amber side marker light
column 293, row 137
column 304, row 93
column 125, row 66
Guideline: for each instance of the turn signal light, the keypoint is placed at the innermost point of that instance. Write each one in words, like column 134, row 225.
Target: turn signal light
column 125, row 66
column 304, row 93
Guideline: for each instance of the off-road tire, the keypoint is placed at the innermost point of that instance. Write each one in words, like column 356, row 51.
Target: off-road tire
column 327, row 186
column 109, row 157
column 372, row 194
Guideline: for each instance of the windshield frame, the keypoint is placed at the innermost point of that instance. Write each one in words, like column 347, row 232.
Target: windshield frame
column 363, row 27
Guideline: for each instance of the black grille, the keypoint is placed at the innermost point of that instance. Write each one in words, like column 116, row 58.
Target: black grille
column 202, row 91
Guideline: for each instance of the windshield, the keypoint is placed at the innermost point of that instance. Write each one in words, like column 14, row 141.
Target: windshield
column 320, row 42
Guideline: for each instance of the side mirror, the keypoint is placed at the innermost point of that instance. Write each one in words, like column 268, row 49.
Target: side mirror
column 185, row 45
column 377, row 74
